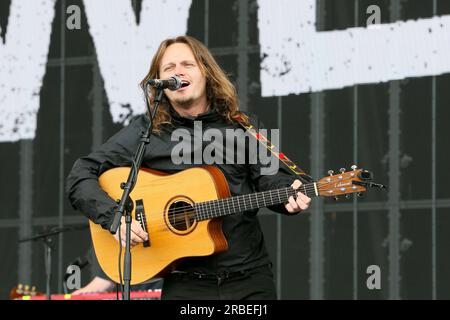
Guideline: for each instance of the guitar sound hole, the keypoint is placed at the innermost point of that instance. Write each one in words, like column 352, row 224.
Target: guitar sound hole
column 181, row 215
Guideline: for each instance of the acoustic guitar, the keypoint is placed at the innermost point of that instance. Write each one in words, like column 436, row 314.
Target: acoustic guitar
column 182, row 214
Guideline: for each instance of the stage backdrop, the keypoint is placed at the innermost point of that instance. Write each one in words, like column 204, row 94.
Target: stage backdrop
column 347, row 82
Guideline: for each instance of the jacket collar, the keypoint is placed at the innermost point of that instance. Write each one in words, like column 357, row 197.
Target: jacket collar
column 209, row 116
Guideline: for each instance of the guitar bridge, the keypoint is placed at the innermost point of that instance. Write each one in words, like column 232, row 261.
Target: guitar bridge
column 140, row 216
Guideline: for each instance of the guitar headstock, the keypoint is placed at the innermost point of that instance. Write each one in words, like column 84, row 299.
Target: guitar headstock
column 346, row 183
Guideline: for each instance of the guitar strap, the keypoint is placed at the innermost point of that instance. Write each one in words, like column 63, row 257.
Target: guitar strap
column 273, row 149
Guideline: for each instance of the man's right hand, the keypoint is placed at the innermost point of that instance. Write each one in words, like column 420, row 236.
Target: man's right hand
column 137, row 234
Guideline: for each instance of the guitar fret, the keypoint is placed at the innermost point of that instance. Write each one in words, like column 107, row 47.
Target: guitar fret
column 207, row 212
column 216, row 209
column 310, row 192
column 228, row 206
column 270, row 199
column 225, row 202
column 211, row 210
column 223, row 206
column 274, row 198
column 197, row 211
column 202, row 211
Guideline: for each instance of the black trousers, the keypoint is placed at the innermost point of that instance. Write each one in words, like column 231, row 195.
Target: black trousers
column 256, row 284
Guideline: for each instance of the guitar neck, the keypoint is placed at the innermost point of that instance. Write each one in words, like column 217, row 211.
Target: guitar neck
column 227, row 206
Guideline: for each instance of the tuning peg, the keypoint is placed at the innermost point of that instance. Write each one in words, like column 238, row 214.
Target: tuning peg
column 336, row 198
column 354, row 167
column 347, row 196
column 330, row 172
column 342, row 170
column 359, row 194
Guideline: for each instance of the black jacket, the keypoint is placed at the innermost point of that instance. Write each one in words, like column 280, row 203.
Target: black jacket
column 246, row 248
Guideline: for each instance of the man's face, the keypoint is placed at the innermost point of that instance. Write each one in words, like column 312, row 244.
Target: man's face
column 179, row 60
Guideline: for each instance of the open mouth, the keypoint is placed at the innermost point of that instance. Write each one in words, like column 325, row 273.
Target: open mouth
column 185, row 83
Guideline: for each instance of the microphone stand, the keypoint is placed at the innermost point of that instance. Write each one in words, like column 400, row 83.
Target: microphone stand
column 125, row 204
column 47, row 238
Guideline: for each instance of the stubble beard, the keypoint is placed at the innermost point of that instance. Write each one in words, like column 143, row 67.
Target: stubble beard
column 184, row 102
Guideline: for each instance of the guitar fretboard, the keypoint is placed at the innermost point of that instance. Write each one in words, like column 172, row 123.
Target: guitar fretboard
column 222, row 207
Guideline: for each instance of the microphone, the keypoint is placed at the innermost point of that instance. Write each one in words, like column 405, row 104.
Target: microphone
column 173, row 83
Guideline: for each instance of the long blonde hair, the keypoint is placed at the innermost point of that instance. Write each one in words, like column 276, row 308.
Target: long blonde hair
column 220, row 91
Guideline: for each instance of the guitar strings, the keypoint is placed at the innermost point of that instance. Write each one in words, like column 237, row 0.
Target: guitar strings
column 180, row 212
column 161, row 227
column 183, row 223
column 259, row 197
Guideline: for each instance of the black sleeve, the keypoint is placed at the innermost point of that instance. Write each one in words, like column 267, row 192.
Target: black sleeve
column 266, row 178
column 82, row 185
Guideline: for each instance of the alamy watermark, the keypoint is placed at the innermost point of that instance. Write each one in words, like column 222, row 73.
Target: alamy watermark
column 374, row 280
column 234, row 146
column 74, row 20
column 73, row 277
column 374, row 20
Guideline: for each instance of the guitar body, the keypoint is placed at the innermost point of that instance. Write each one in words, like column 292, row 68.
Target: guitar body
column 173, row 231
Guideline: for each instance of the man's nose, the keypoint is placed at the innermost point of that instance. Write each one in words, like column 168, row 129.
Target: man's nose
column 179, row 70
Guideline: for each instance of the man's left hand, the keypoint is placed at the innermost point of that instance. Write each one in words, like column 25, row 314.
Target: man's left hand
column 301, row 203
